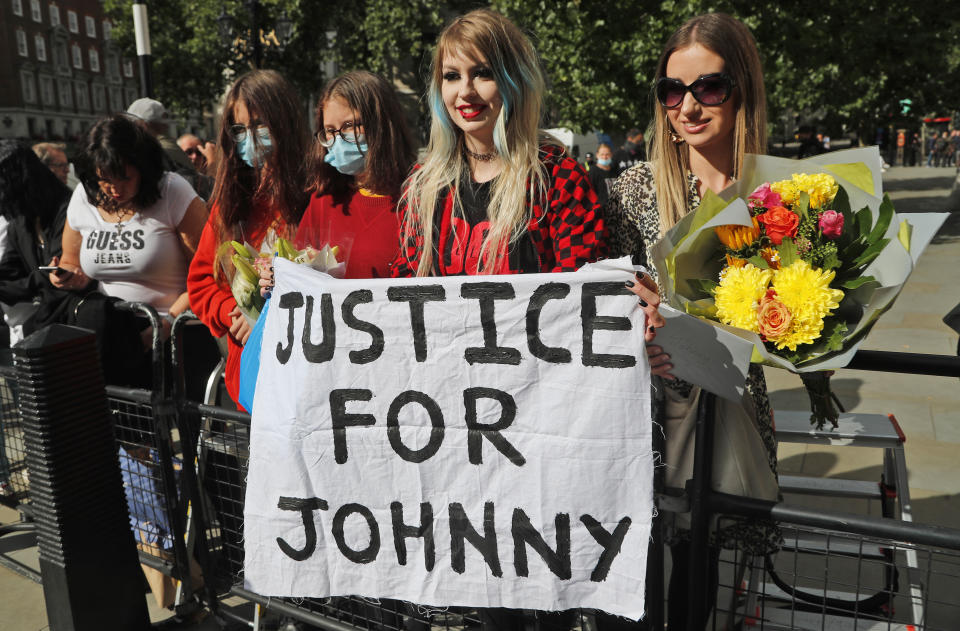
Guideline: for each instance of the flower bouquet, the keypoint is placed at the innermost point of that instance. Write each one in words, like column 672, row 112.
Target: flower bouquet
column 799, row 257
column 248, row 263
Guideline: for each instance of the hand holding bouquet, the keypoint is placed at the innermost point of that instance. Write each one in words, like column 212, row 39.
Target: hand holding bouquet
column 799, row 257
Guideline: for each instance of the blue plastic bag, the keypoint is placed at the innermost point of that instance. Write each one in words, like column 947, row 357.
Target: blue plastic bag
column 250, row 361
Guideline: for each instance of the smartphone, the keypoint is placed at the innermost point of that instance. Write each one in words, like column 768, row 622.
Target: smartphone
column 56, row 269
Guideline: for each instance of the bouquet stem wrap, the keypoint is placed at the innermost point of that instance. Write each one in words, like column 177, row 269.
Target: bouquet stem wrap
column 822, row 407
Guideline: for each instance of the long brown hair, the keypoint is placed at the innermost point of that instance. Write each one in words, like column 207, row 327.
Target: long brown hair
column 390, row 152
column 732, row 41
column 279, row 183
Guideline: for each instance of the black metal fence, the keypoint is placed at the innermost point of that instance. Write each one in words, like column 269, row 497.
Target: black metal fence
column 184, row 465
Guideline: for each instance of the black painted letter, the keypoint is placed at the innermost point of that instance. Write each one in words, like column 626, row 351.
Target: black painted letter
column 402, row 531
column 591, row 322
column 525, row 534
column 417, row 296
column 477, row 431
column 367, row 355
column 462, row 530
column 393, row 426
column 369, row 553
column 291, row 301
column 306, row 506
column 322, row 352
column 611, row 543
column 489, row 353
column 543, row 293
column 340, row 419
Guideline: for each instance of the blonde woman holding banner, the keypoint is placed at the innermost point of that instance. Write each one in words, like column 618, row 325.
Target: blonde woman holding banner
column 493, row 194
column 710, row 110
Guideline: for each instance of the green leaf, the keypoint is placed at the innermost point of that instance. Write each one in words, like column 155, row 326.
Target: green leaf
column 830, row 261
column 803, row 204
column 864, row 220
column 858, row 282
column 883, row 221
column 788, row 252
column 871, row 253
column 704, row 285
column 841, row 204
column 833, row 334
column 758, row 261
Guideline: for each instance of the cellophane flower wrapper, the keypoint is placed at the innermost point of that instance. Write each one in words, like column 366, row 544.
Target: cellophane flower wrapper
column 692, row 251
column 247, row 262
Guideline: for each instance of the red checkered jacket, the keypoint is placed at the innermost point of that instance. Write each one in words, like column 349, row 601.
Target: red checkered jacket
column 566, row 226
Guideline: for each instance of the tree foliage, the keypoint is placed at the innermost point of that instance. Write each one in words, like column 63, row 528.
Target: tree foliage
column 845, row 64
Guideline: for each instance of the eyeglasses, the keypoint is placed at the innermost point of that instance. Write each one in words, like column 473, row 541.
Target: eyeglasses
column 710, row 90
column 239, row 132
column 348, row 131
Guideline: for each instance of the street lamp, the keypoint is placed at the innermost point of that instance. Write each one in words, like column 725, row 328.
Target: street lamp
column 283, row 30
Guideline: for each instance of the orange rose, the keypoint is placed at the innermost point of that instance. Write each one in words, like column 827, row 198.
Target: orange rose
column 780, row 222
column 773, row 316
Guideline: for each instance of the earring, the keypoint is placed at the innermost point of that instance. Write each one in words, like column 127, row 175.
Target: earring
column 675, row 137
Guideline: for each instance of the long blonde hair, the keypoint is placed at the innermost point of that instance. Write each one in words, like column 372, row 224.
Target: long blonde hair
column 483, row 35
column 732, row 41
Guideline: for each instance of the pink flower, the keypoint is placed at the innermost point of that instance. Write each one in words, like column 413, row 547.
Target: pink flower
column 831, row 223
column 763, row 197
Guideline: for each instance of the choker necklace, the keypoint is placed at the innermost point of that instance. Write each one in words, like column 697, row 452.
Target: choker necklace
column 482, row 157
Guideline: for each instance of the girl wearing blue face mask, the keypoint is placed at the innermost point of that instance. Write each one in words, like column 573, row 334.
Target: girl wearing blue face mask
column 602, row 172
column 361, row 155
column 258, row 196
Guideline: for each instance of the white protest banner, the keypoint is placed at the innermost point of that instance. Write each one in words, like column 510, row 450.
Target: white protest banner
column 472, row 441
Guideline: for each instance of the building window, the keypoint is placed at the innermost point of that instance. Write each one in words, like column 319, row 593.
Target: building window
column 116, row 100
column 99, row 102
column 128, row 69
column 29, row 86
column 41, row 45
column 113, row 66
column 91, row 26
column 54, row 15
column 66, row 96
column 46, row 91
column 35, row 12
column 107, row 29
column 18, row 7
column 77, row 56
column 83, row 100
column 94, row 60
column 72, row 22
column 22, row 43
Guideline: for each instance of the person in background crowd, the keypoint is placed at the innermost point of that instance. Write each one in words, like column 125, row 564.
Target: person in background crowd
column 932, row 147
column 259, row 196
column 589, row 160
column 131, row 228
column 54, row 158
column 633, row 151
column 155, row 116
column 710, row 111
column 603, row 174
column 810, row 145
column 202, row 154
column 954, row 148
column 490, row 174
column 941, row 149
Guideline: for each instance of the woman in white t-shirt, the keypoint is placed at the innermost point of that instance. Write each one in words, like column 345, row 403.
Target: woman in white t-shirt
column 131, row 226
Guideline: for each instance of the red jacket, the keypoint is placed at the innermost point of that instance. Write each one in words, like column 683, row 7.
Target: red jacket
column 211, row 300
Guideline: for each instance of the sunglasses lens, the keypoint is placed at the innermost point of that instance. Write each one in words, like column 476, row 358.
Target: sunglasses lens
column 712, row 91
column 670, row 92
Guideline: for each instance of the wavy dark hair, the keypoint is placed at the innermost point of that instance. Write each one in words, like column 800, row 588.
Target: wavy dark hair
column 27, row 186
column 390, row 153
column 112, row 144
column 280, row 182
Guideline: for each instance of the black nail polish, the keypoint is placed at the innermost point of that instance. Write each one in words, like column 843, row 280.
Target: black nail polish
column 629, row 283
column 651, row 328
column 639, row 275
column 643, row 303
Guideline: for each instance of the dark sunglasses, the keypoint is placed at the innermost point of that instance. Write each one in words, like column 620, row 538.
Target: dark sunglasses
column 710, row 90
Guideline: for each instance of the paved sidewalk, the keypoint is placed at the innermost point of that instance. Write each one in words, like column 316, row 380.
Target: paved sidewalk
column 928, row 408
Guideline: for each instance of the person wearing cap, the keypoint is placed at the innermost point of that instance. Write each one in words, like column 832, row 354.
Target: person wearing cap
column 154, row 114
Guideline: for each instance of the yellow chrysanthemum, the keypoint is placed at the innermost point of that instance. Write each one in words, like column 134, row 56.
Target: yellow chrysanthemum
column 806, row 292
column 738, row 295
column 736, row 237
column 821, row 188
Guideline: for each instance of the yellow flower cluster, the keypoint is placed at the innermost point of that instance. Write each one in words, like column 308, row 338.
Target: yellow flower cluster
column 821, row 188
column 738, row 295
column 736, row 237
column 805, row 292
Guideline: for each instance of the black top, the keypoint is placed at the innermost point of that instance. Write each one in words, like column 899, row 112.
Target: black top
column 602, row 180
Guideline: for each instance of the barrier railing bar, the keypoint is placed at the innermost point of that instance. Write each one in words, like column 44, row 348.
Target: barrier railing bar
column 878, row 527
column 12, row 564
column 910, row 363
column 286, row 609
column 698, row 490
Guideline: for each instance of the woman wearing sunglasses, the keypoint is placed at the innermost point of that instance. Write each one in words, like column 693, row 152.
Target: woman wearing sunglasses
column 258, row 196
column 363, row 153
column 710, row 110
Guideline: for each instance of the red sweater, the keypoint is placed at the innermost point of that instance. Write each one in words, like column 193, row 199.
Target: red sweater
column 366, row 226
column 212, row 301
